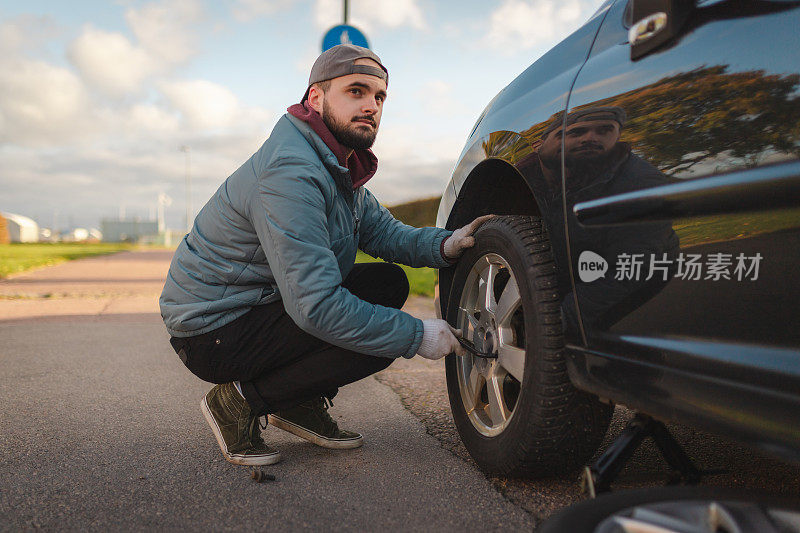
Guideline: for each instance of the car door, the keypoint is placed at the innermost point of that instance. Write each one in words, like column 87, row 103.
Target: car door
column 680, row 175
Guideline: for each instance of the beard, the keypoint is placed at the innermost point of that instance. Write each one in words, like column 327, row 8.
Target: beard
column 588, row 163
column 551, row 161
column 347, row 133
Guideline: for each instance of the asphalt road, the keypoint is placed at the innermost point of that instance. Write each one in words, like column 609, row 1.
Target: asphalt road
column 100, row 428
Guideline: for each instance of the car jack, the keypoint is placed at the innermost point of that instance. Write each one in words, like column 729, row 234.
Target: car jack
column 597, row 477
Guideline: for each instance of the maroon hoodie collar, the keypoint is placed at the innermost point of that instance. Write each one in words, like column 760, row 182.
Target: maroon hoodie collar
column 362, row 164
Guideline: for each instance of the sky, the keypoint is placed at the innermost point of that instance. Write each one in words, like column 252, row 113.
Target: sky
column 97, row 98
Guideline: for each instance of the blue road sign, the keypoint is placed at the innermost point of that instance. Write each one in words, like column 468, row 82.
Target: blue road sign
column 343, row 34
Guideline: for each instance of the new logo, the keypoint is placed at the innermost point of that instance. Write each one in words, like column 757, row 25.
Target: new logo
column 591, row 266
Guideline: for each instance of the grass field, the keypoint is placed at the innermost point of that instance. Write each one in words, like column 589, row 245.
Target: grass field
column 20, row 257
column 421, row 280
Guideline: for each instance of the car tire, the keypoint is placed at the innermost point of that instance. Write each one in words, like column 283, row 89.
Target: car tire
column 519, row 414
column 678, row 509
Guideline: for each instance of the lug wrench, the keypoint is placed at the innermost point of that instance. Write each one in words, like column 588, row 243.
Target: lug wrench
column 468, row 346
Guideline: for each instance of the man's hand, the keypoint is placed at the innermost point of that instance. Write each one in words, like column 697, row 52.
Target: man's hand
column 462, row 238
column 439, row 339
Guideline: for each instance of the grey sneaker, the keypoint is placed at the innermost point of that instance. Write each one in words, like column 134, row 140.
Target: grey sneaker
column 311, row 421
column 236, row 428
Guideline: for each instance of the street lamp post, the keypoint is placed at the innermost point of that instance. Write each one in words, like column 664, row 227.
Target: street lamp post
column 163, row 201
column 187, row 150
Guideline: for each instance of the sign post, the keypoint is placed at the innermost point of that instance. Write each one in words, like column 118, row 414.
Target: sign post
column 344, row 33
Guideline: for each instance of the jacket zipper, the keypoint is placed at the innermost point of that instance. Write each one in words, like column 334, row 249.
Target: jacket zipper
column 350, row 200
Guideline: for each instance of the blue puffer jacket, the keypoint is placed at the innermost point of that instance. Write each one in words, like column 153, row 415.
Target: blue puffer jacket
column 286, row 225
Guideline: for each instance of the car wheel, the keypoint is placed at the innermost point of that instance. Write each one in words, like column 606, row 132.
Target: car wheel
column 517, row 414
column 678, row 510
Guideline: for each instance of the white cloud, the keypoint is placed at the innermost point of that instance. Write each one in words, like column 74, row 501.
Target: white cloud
column 437, row 88
column 45, row 105
column 12, row 36
column 65, row 147
column 110, row 62
column 164, row 29
column 438, row 97
column 395, row 143
column 247, row 10
column 368, row 14
column 105, row 129
column 27, row 32
column 328, row 13
column 393, row 14
column 527, row 23
column 398, row 183
column 90, row 181
column 412, row 164
column 40, row 103
column 165, row 38
column 150, row 118
column 207, row 105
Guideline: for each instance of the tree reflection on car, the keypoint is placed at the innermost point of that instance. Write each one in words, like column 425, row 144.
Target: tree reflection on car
column 597, row 164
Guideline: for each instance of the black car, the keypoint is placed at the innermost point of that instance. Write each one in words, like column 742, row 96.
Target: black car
column 646, row 171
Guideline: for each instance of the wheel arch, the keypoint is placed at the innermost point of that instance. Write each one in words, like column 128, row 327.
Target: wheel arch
column 493, row 186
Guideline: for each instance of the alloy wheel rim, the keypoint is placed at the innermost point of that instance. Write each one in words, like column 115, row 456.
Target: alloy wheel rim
column 490, row 315
column 701, row 516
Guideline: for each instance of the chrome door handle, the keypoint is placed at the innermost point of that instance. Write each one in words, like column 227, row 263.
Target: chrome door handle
column 647, row 28
column 745, row 191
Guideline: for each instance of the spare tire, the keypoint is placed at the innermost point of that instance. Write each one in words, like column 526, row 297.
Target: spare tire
column 679, row 509
column 518, row 414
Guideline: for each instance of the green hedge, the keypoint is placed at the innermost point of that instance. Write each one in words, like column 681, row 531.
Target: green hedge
column 419, row 213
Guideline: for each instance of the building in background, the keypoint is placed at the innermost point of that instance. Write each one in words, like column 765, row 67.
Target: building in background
column 4, row 231
column 129, row 230
column 21, row 228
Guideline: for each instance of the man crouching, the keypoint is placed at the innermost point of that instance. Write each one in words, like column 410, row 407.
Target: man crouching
column 263, row 296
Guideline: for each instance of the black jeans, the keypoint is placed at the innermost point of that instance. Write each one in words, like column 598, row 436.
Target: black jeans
column 278, row 364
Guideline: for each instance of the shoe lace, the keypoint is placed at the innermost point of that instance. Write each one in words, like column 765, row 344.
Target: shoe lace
column 255, row 430
column 325, row 404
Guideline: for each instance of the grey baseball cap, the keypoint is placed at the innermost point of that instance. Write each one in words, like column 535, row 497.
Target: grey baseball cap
column 340, row 61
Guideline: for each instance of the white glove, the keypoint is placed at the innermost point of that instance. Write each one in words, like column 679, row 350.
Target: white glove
column 462, row 238
column 439, row 339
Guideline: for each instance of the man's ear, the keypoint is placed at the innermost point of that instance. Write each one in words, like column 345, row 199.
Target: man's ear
column 315, row 98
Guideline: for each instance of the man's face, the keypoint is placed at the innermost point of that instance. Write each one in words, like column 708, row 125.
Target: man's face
column 550, row 150
column 352, row 107
column 590, row 141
